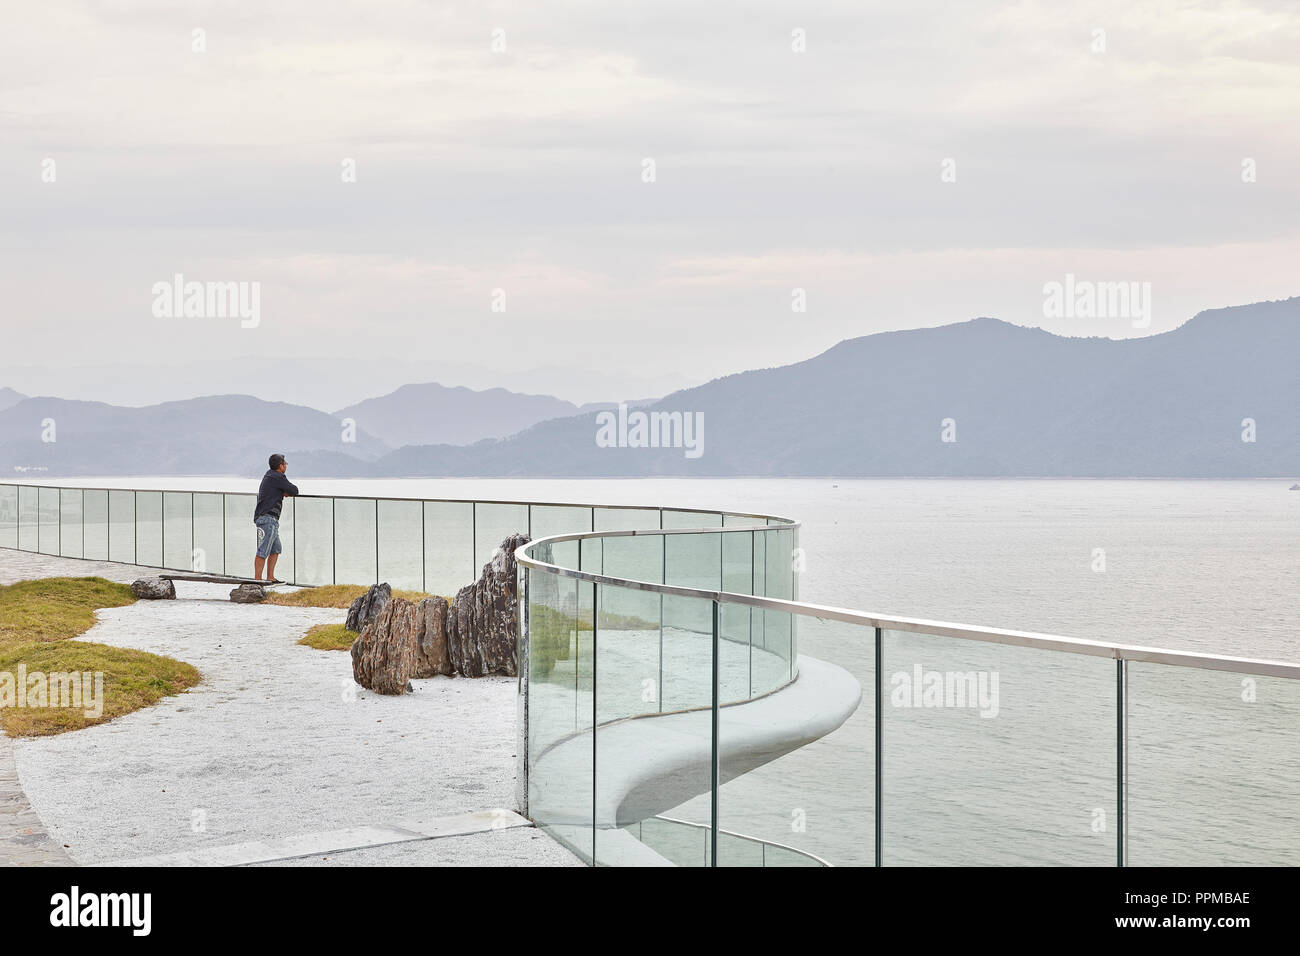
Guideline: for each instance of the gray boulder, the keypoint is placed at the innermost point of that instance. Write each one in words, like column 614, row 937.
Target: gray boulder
column 367, row 607
column 383, row 657
column 432, row 656
column 248, row 594
column 153, row 589
column 483, row 620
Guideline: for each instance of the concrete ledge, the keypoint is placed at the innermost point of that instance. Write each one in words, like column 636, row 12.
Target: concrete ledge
column 648, row 765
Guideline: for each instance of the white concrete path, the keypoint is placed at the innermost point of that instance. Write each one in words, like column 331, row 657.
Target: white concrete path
column 277, row 742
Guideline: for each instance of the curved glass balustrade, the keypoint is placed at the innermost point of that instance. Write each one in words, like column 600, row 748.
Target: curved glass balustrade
column 664, row 707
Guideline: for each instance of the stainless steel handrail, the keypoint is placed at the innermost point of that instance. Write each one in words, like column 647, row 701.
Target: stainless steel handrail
column 460, row 501
column 1050, row 642
column 744, row 836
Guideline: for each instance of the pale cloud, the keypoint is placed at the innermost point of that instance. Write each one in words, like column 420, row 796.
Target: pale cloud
column 521, row 170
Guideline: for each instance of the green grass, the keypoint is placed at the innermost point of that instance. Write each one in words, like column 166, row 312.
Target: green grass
column 54, row 609
column 37, row 618
column 329, row 637
column 333, row 595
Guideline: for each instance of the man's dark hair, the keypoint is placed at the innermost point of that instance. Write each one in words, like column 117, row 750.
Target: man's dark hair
column 276, row 461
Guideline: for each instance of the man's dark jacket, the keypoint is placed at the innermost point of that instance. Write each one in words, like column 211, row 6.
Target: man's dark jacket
column 271, row 495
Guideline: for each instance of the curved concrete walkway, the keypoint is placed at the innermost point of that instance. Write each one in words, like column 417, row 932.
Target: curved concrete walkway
column 648, row 765
column 277, row 746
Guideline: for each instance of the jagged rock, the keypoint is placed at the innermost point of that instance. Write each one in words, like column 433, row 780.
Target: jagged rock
column 383, row 657
column 153, row 589
column 432, row 656
column 248, row 594
column 483, row 620
column 367, row 607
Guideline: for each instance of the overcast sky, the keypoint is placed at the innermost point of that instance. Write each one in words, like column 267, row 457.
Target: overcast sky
column 1114, row 156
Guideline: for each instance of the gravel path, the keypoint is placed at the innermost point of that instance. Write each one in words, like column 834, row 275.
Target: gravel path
column 277, row 740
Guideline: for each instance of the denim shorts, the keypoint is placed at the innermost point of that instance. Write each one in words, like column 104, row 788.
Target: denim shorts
column 268, row 536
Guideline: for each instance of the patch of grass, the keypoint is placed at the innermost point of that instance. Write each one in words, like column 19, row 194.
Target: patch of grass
column 54, row 609
column 37, row 618
column 333, row 595
column 329, row 637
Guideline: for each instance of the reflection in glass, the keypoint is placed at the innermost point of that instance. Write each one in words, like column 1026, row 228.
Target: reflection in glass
column 401, row 544
column 48, row 517
column 148, row 528
column 94, row 507
column 355, row 533
column 448, row 546
column 178, row 531
column 121, row 526
column 70, row 522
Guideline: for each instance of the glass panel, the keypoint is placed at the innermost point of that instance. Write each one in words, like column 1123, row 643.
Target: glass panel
column 687, row 653
column 680, row 843
column 734, row 651
column 313, row 540
column 148, row 528
column 691, row 519
column 95, row 524
column 70, row 520
column 354, row 541
column 628, row 650
column 636, row 557
column 997, row 755
column 121, row 526
column 555, row 519
column 819, row 796
column 693, row 561
column 8, row 516
column 777, row 665
column 659, row 764
column 209, row 534
column 626, row 519
column 28, row 536
column 286, row 569
column 48, row 502
column 178, row 531
column 1213, row 768
column 741, row 521
column 401, row 544
column 241, row 535
column 560, row 784
column 448, row 546
column 492, row 525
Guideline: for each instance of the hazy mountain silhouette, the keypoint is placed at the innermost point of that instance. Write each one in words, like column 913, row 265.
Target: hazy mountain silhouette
column 223, row 434
column 433, row 414
column 1023, row 402
column 8, row 398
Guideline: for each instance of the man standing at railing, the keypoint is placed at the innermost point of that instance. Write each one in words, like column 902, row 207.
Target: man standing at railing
column 270, row 497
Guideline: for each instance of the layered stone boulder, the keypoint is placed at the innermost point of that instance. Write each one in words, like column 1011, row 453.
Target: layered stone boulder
column 367, row 607
column 483, row 620
column 384, row 656
column 432, row 655
column 153, row 589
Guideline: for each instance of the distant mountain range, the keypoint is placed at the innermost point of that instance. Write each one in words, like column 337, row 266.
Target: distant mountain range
column 433, row 414
column 1215, row 398
column 9, row 397
column 222, row 434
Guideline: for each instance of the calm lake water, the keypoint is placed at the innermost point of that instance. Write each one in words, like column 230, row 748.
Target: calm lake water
column 1205, row 566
